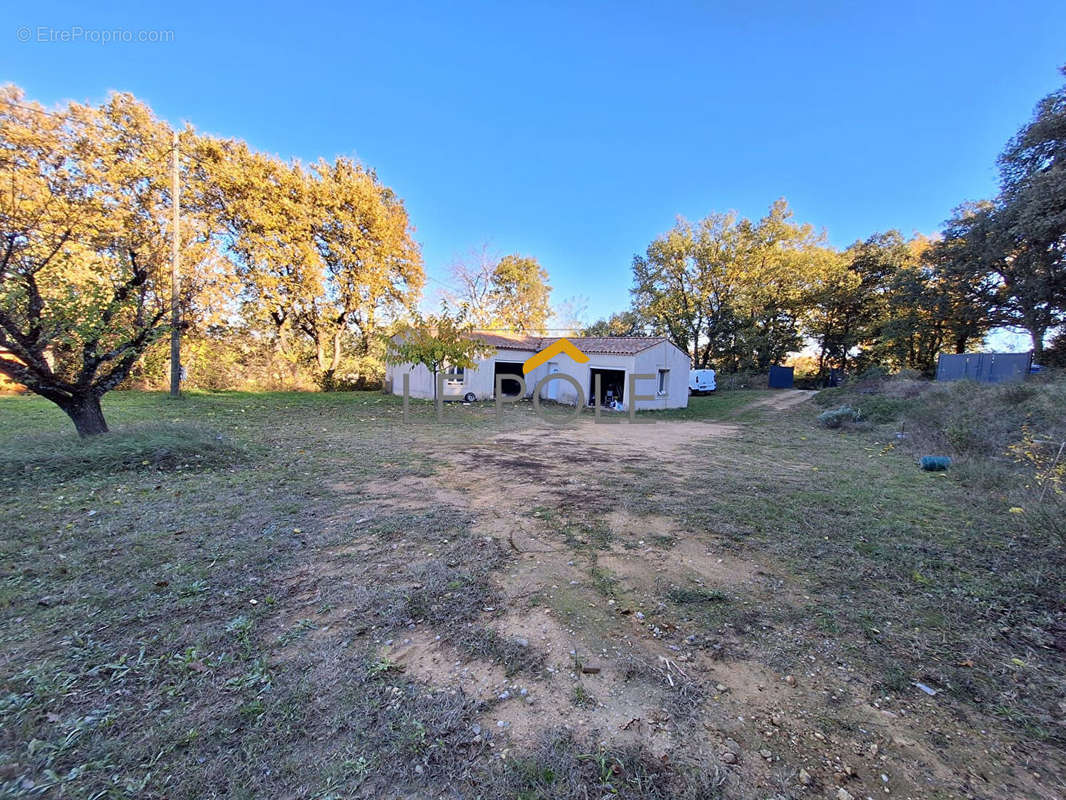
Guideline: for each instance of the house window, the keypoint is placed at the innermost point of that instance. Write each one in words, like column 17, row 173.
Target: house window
column 454, row 374
column 664, row 381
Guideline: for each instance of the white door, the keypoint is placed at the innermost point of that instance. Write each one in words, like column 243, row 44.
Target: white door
column 553, row 386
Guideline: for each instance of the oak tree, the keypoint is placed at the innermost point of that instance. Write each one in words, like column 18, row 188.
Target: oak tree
column 510, row 292
column 1026, row 232
column 84, row 246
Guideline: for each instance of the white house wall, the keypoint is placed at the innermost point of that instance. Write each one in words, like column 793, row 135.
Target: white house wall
column 481, row 380
column 663, row 356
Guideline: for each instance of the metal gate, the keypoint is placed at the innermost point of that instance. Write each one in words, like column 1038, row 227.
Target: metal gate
column 984, row 367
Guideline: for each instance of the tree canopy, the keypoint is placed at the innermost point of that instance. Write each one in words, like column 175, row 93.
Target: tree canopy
column 84, row 211
column 293, row 274
column 321, row 253
column 312, row 263
column 509, row 293
column 1025, row 232
column 742, row 295
column 730, row 291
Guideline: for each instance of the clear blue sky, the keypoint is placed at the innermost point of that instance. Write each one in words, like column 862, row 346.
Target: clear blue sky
column 576, row 132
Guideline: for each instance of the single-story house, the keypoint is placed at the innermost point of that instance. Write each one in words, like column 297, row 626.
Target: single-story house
column 612, row 358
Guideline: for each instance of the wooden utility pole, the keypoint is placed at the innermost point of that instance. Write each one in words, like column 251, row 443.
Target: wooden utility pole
column 175, row 277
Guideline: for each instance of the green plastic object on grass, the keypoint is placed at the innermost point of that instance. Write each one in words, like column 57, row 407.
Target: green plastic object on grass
column 935, row 463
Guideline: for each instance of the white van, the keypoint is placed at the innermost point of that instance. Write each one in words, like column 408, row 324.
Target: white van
column 701, row 381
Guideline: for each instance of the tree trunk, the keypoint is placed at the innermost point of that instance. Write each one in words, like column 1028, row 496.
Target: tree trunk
column 320, row 355
column 328, row 368
column 335, row 363
column 86, row 414
column 1038, row 332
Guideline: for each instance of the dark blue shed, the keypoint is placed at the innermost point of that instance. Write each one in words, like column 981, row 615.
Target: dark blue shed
column 984, row 367
column 781, row 377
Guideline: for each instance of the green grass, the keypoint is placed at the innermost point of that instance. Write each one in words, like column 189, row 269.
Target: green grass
column 604, row 581
column 562, row 768
column 144, row 447
column 136, row 663
column 923, row 575
column 581, row 697
column 963, row 418
column 123, row 584
column 695, row 595
column 714, row 407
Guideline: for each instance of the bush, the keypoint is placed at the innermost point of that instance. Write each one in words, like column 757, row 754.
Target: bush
column 1055, row 353
column 882, row 409
column 908, row 374
column 906, row 387
column 1015, row 393
column 874, row 373
column 837, row 417
column 967, row 435
column 808, row 382
column 961, row 418
column 741, row 379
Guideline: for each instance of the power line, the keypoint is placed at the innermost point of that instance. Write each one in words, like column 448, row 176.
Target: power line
column 195, row 158
column 167, row 150
column 182, row 151
column 37, row 110
column 442, row 283
column 58, row 115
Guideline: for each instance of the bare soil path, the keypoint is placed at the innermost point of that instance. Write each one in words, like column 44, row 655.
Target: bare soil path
column 656, row 633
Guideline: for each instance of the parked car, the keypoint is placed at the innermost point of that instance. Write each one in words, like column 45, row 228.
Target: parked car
column 701, row 381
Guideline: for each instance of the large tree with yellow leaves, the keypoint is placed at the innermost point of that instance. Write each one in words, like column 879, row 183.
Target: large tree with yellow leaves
column 84, row 245
column 320, row 256
column 320, row 253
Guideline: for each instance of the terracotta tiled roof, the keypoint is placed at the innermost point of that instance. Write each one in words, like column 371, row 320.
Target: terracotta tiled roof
column 619, row 345
column 508, row 341
column 612, row 345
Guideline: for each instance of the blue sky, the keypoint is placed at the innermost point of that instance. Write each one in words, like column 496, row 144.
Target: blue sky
column 576, row 132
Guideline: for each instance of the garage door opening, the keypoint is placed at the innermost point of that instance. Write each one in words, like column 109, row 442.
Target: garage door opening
column 612, row 386
column 510, row 386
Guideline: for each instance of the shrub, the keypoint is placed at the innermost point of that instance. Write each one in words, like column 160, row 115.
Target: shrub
column 1015, row 393
column 961, row 418
column 966, row 435
column 906, row 387
column 907, row 374
column 836, row 417
column 1055, row 352
column 808, row 382
column 882, row 408
column 874, row 373
column 742, row 379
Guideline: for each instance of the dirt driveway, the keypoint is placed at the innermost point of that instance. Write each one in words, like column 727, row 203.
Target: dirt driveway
column 655, row 633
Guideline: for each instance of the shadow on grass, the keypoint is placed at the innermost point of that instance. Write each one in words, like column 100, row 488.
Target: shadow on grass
column 164, row 447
